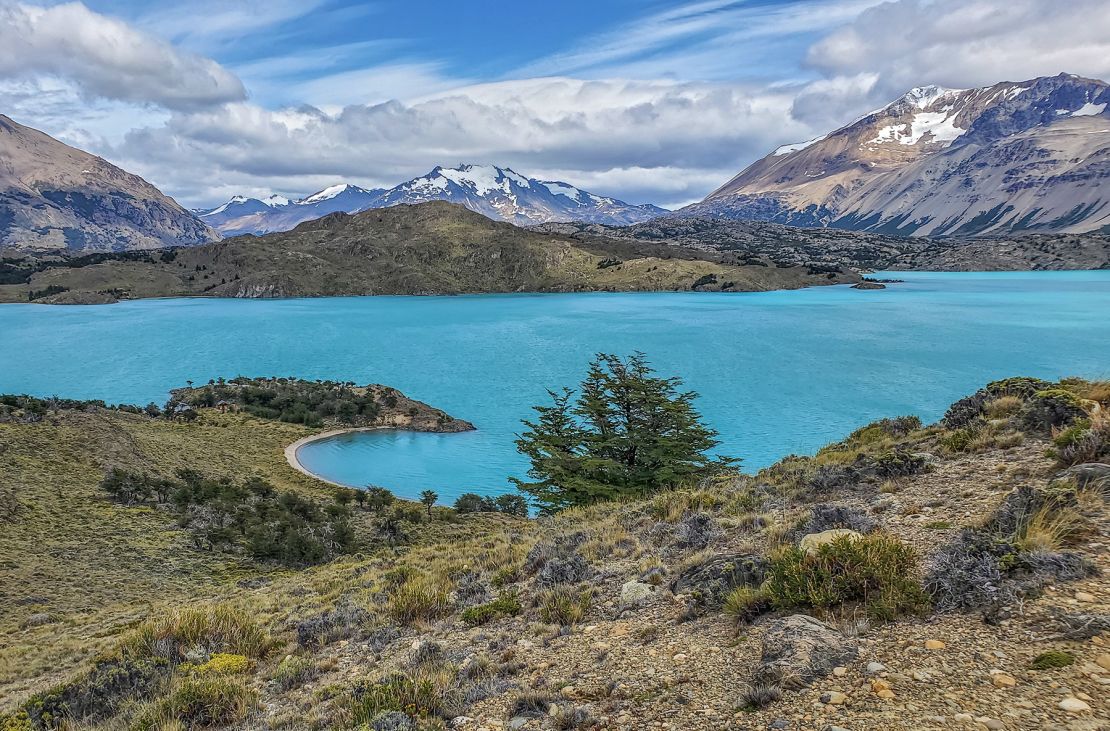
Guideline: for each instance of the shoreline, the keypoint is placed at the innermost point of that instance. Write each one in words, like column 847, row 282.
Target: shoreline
column 295, row 463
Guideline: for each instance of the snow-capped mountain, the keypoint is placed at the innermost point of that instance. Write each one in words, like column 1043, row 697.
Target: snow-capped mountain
column 243, row 215
column 1008, row 158
column 498, row 193
column 505, row 195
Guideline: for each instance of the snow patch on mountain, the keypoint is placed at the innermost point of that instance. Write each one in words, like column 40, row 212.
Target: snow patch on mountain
column 941, row 125
column 795, row 146
column 1089, row 110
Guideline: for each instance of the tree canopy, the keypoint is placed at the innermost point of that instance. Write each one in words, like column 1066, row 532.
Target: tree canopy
column 627, row 433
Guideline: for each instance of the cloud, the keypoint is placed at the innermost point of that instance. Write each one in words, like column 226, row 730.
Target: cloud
column 966, row 43
column 107, row 58
column 649, row 140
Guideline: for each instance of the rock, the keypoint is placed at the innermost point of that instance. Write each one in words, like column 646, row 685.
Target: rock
column 879, row 685
column 875, row 667
column 934, row 645
column 991, row 723
column 868, row 284
column 1073, row 705
column 518, row 722
column 840, row 671
column 1083, row 596
column 799, row 649
column 811, row 542
column 963, row 718
column 1003, row 680
column 1087, row 473
column 834, row 698
column 1103, row 660
column 636, row 593
column 885, row 693
column 708, row 583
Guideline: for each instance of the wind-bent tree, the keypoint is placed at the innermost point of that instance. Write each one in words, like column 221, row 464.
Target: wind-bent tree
column 429, row 497
column 628, row 433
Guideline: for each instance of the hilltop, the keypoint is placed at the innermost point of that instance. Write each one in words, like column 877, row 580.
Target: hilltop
column 988, row 604
column 431, row 248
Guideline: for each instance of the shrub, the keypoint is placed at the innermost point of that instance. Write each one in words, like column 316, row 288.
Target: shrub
column 830, row 515
column 530, row 705
column 419, row 599
column 1050, row 409
column 293, row 672
column 745, row 603
column 200, row 702
column 429, row 690
column 877, row 571
column 564, row 606
column 1052, row 659
column 505, row 605
column 570, row 570
column 344, row 621
column 214, row 629
column 958, row 440
column 224, row 663
column 99, row 693
column 565, row 716
column 1083, row 443
column 759, row 695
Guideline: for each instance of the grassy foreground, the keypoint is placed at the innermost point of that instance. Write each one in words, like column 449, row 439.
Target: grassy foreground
column 611, row 616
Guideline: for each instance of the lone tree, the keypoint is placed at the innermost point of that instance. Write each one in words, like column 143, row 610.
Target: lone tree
column 429, row 497
column 629, row 433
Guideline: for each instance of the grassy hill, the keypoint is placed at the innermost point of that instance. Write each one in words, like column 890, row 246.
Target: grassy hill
column 431, row 248
column 973, row 587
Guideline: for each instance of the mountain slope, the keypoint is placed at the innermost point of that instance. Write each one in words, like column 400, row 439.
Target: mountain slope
column 431, row 248
column 1009, row 158
column 56, row 197
column 498, row 193
column 242, row 215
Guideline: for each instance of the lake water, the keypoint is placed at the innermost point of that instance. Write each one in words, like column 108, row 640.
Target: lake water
column 778, row 372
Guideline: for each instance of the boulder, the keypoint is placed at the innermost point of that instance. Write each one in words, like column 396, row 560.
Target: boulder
column 813, row 541
column 708, row 583
column 799, row 649
column 1095, row 474
column 636, row 593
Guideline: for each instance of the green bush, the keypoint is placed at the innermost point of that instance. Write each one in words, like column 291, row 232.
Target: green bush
column 505, row 605
column 876, row 571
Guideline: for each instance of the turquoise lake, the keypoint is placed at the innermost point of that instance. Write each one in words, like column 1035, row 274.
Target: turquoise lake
column 778, row 372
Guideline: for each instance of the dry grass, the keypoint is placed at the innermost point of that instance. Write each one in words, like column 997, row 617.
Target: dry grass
column 1048, row 529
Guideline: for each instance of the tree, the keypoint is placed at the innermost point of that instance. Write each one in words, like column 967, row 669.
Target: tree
column 512, row 505
column 429, row 497
column 629, row 433
column 470, row 502
column 378, row 498
column 360, row 498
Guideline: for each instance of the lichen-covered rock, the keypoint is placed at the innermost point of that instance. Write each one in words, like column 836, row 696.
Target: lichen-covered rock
column 799, row 649
column 708, row 583
column 1093, row 474
column 1051, row 409
column 636, row 593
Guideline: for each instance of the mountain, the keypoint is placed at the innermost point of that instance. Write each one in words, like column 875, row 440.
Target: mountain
column 1015, row 157
column 498, row 193
column 56, row 197
column 504, row 195
column 429, row 248
column 242, row 215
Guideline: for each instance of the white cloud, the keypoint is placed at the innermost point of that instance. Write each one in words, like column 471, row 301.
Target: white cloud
column 107, row 58
column 648, row 140
column 965, row 43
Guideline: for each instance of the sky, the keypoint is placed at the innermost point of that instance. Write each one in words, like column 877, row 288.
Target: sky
column 647, row 101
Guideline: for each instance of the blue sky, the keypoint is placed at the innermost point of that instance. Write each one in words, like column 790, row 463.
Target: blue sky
column 644, row 100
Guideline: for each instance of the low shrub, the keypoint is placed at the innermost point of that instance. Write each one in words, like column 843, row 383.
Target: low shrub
column 564, row 606
column 293, row 672
column 1052, row 408
column 346, row 620
column 98, row 694
column 759, row 695
column 876, row 571
column 1052, row 659
column 530, row 704
column 558, row 571
column 200, row 702
column 430, row 690
column 224, row 663
column 419, row 599
column 745, row 603
column 1002, row 407
column 215, row 629
column 505, row 605
column 1083, row 442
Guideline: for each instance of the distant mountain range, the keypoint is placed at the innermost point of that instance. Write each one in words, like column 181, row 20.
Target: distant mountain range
column 498, row 193
column 56, row 197
column 1030, row 156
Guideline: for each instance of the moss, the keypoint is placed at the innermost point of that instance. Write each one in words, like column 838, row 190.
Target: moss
column 1052, row 659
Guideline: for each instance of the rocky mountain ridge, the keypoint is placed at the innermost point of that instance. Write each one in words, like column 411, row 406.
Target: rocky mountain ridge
column 498, row 193
column 1014, row 157
column 54, row 197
